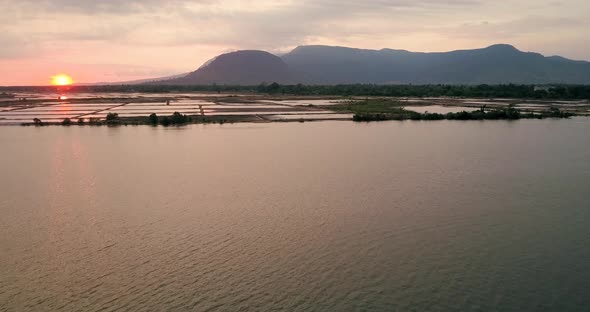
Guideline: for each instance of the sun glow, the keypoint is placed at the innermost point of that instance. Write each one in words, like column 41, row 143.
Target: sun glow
column 61, row 80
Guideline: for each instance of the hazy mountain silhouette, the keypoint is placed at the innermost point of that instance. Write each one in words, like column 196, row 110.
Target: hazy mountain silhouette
column 133, row 82
column 339, row 65
column 239, row 68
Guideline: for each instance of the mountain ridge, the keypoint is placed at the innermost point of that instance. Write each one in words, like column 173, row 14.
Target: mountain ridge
column 322, row 64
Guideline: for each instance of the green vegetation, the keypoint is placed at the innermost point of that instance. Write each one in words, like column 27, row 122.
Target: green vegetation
column 37, row 122
column 113, row 119
column 571, row 92
column 466, row 91
column 165, row 121
column 384, row 109
column 175, row 119
column 93, row 121
column 153, row 119
column 372, row 106
column 178, row 119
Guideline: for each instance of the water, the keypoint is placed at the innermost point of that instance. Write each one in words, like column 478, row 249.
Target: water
column 326, row 216
column 56, row 112
column 440, row 109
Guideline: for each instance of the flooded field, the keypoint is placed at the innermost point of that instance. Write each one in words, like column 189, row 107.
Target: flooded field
column 323, row 102
column 574, row 106
column 55, row 107
column 439, row 109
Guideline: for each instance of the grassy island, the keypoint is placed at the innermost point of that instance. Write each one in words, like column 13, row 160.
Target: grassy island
column 113, row 119
column 385, row 109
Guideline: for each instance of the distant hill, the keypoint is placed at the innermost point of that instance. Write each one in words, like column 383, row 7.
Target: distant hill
column 492, row 65
column 496, row 64
column 239, row 68
column 133, row 82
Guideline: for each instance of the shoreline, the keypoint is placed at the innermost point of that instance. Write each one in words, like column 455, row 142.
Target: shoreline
column 204, row 108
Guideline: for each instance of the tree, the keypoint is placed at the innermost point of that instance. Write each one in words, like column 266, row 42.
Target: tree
column 66, row 122
column 80, row 121
column 112, row 118
column 37, row 122
column 153, row 119
column 273, row 87
column 165, row 121
column 178, row 118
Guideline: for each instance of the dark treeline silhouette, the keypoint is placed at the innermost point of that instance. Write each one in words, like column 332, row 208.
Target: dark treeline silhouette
column 508, row 113
column 479, row 91
column 476, row 91
column 175, row 119
column 113, row 119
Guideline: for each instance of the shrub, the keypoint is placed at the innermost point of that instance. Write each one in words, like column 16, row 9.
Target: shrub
column 94, row 121
column 112, row 118
column 153, row 119
column 178, row 118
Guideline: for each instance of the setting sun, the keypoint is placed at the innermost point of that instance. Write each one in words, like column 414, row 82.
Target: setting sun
column 61, row 80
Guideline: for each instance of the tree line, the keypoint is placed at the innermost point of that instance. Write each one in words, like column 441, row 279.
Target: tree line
column 572, row 92
column 508, row 113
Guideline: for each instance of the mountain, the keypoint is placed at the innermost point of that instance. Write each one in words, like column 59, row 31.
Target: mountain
column 496, row 64
column 492, row 65
column 248, row 67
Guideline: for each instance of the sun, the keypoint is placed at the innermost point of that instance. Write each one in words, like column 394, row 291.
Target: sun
column 61, row 80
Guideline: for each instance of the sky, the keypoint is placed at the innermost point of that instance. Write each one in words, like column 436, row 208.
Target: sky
column 122, row 40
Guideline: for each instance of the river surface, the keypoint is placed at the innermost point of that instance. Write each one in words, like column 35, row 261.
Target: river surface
column 322, row 216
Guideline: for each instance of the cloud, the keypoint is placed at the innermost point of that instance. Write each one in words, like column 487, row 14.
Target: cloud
column 92, row 6
column 519, row 27
column 195, row 30
column 236, row 23
column 284, row 23
column 14, row 47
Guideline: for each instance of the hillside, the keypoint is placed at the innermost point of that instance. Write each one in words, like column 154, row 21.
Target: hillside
column 497, row 64
column 239, row 68
column 492, row 65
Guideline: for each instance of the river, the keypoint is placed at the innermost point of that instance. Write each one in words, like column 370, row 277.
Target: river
column 315, row 216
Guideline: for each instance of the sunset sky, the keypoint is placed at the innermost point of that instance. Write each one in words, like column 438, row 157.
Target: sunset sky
column 113, row 40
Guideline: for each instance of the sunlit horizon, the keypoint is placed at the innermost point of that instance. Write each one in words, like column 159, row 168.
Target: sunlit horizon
column 61, row 80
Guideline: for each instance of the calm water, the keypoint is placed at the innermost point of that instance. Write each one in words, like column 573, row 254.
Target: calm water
column 439, row 109
column 328, row 216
